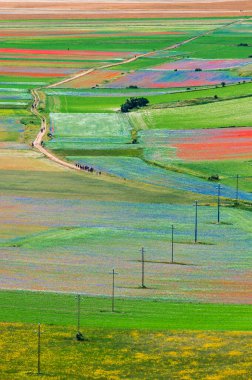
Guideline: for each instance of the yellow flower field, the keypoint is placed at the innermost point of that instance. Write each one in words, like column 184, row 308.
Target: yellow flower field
column 117, row 354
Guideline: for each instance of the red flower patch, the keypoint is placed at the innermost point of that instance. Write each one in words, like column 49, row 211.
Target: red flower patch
column 216, row 144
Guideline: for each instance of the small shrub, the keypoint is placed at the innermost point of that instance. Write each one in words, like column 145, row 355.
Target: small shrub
column 214, row 177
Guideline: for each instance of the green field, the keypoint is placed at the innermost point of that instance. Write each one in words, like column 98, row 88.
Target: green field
column 213, row 47
column 223, row 114
column 107, row 43
column 158, row 314
column 23, row 82
column 110, row 33
column 90, row 125
column 222, row 43
column 225, row 169
column 112, row 101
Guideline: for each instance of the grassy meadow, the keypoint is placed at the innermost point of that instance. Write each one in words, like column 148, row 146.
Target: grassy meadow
column 224, row 114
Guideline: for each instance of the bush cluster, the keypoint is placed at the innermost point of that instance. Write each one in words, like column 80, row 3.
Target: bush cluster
column 134, row 103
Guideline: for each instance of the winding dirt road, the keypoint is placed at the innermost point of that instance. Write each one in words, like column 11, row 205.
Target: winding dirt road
column 37, row 143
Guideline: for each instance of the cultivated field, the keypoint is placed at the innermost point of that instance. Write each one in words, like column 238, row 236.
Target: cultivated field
column 72, row 245
column 126, row 181
column 102, row 9
column 178, row 148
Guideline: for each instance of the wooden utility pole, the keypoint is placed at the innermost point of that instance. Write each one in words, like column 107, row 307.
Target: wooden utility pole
column 78, row 313
column 113, row 289
column 142, row 260
column 39, row 349
column 79, row 335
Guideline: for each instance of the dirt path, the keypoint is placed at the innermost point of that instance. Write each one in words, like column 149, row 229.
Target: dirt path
column 37, row 143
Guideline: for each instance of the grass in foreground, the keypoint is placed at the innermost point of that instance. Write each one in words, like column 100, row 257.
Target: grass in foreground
column 119, row 354
column 154, row 314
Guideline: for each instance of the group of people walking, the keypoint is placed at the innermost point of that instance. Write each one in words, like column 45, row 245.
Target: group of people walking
column 86, row 167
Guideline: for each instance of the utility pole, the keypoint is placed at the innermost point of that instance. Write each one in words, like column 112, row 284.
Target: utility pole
column 79, row 335
column 113, row 289
column 172, row 245
column 237, row 189
column 196, row 223
column 142, row 260
column 78, row 313
column 218, row 213
column 39, row 349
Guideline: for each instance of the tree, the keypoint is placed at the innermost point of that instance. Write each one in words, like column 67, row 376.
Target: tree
column 134, row 103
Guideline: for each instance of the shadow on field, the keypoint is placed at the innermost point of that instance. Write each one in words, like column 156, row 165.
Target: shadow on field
column 165, row 262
